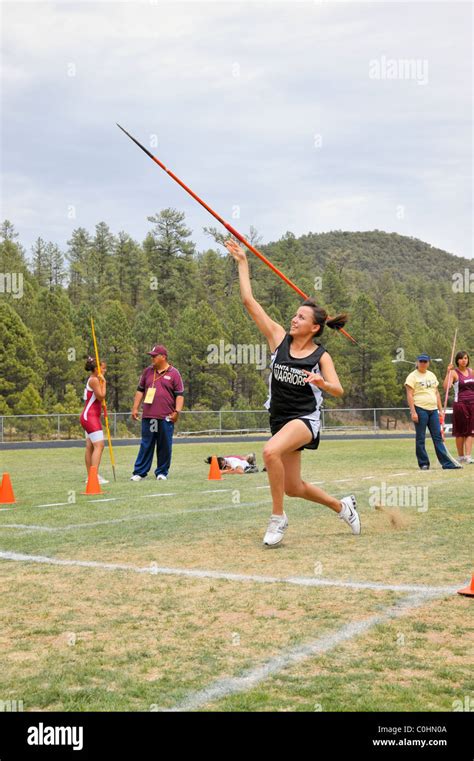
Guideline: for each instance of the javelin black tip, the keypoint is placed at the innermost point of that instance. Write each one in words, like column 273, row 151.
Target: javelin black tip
column 136, row 142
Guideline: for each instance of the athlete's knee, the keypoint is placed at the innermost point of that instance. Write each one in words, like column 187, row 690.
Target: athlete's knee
column 295, row 489
column 270, row 454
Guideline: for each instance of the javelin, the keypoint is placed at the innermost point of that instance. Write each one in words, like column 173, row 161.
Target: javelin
column 111, row 451
column 227, row 226
column 448, row 384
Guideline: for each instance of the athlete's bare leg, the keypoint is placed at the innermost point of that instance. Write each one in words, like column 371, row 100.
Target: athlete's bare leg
column 283, row 463
column 97, row 453
column 88, row 455
column 296, row 487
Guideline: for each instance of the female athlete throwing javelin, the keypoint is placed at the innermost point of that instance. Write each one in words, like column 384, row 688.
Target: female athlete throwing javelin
column 300, row 372
column 94, row 393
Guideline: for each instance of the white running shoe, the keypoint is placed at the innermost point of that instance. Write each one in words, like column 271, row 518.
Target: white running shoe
column 136, row 477
column 100, row 479
column 468, row 459
column 349, row 513
column 161, row 477
column 462, row 459
column 275, row 530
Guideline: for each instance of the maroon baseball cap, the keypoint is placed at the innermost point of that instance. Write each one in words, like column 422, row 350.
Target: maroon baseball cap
column 158, row 349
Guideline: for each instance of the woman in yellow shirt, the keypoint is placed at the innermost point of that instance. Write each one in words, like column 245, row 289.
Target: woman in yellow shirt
column 425, row 408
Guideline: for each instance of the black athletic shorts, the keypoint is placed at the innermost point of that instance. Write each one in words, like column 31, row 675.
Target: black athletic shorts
column 276, row 424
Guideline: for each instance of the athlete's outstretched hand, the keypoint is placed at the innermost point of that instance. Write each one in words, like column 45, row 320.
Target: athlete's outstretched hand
column 237, row 252
column 315, row 378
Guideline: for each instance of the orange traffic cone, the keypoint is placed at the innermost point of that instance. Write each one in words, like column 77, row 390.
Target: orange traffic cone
column 93, row 486
column 214, row 472
column 6, row 491
column 468, row 591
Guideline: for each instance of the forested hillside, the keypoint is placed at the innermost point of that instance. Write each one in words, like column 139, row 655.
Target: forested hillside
column 398, row 292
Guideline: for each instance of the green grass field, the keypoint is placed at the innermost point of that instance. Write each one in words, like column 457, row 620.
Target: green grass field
column 103, row 638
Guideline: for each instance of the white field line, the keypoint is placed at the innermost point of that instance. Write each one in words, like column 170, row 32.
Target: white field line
column 217, row 491
column 104, row 499
column 164, row 494
column 207, row 491
column 223, row 688
column 197, row 573
column 54, row 504
column 160, row 494
column 30, row 527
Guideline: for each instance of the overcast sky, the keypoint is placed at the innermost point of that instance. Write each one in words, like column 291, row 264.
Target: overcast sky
column 302, row 115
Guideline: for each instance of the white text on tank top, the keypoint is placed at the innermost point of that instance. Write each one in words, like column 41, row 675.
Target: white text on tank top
column 289, row 394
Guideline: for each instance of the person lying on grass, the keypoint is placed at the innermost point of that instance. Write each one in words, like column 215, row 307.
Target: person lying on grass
column 236, row 464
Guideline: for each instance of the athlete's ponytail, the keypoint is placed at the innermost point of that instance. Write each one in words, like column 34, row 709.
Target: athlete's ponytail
column 337, row 322
column 320, row 317
column 90, row 365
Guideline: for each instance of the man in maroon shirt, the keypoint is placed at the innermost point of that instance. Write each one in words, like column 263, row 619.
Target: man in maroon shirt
column 161, row 389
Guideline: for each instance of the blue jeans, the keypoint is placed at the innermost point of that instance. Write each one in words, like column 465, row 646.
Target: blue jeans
column 159, row 433
column 430, row 419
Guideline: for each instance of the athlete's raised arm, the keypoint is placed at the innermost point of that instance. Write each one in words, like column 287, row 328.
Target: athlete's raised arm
column 273, row 332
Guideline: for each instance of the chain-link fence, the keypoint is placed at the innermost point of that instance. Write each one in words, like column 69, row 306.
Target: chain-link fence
column 60, row 427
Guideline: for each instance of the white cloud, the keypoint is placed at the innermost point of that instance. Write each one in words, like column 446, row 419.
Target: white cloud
column 236, row 93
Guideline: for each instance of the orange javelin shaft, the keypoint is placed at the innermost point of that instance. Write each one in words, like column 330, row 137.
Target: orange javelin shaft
column 231, row 229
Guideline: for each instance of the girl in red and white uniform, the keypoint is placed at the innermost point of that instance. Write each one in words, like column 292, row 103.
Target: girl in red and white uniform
column 94, row 394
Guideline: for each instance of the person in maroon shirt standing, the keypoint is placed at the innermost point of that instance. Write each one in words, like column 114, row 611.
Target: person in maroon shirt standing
column 161, row 389
column 462, row 377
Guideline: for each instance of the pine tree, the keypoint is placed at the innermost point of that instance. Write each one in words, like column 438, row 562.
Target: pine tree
column 127, row 274
column 170, row 258
column 206, row 382
column 56, row 341
column 117, row 348
column 57, row 272
column 29, row 403
column 151, row 327
column 71, row 407
column 100, row 260
column 39, row 262
column 19, row 361
column 78, row 254
column 212, row 277
column 370, row 330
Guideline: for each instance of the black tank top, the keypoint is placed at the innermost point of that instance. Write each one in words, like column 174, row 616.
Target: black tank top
column 289, row 396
